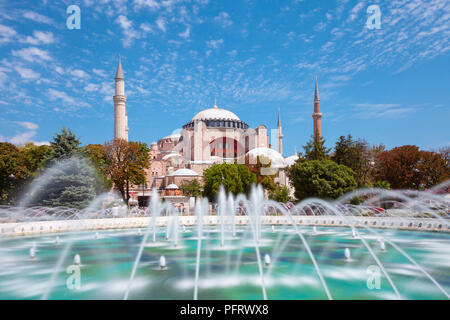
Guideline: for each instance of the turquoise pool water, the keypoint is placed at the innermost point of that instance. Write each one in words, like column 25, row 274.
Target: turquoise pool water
column 229, row 272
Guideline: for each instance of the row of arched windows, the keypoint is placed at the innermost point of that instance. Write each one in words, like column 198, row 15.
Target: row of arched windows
column 220, row 124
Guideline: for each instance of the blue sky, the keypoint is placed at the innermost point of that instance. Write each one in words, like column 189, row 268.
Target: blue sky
column 389, row 85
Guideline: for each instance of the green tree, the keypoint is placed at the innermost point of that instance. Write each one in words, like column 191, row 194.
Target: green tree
column 315, row 149
column 382, row 185
column 125, row 164
column 97, row 154
column 64, row 145
column 321, row 178
column 69, row 178
column 192, row 188
column 71, row 183
column 280, row 194
column 34, row 156
column 354, row 154
column 236, row 178
column 12, row 171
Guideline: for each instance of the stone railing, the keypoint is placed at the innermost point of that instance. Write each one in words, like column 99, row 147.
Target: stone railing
column 60, row 226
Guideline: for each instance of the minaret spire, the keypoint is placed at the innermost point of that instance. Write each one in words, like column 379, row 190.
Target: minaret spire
column 317, row 115
column 280, row 134
column 316, row 92
column 120, row 108
column 119, row 72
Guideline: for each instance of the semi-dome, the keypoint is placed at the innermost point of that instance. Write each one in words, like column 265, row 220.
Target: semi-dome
column 184, row 173
column 215, row 114
column 275, row 157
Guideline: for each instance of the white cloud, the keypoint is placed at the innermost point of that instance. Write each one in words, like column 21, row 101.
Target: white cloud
column 128, row 31
column 59, row 70
column 381, row 110
column 36, row 17
column 24, row 137
column 99, row 72
column 28, row 125
column 151, row 4
column 161, row 23
column 79, row 74
column 70, row 102
column 32, row 54
column 90, row 87
column 186, row 34
column 355, row 11
column 27, row 73
column 6, row 34
column 223, row 19
column 40, row 37
column 146, row 27
column 214, row 44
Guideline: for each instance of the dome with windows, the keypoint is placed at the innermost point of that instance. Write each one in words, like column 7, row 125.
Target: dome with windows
column 215, row 114
column 217, row 117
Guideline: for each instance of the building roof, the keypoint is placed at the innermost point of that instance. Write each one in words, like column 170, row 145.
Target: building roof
column 215, row 113
column 171, row 155
column 184, row 173
column 275, row 157
column 289, row 161
column 172, row 187
column 174, row 136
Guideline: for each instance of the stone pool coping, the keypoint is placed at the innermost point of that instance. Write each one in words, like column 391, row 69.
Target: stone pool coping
column 60, row 226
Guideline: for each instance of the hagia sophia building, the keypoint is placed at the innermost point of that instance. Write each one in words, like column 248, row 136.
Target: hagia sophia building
column 212, row 136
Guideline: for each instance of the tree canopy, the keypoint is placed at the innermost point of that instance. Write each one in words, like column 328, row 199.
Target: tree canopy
column 315, row 149
column 236, row 178
column 280, row 194
column 192, row 188
column 65, row 144
column 356, row 155
column 321, row 178
column 407, row 167
column 125, row 164
column 72, row 177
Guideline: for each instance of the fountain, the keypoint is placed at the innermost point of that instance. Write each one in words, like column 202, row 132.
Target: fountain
column 347, row 254
column 219, row 260
column 32, row 253
column 77, row 260
column 267, row 260
column 162, row 263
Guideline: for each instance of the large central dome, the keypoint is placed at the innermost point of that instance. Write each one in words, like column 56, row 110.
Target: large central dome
column 215, row 114
column 217, row 117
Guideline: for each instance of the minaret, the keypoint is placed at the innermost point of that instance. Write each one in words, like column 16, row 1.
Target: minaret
column 317, row 116
column 120, row 108
column 280, row 134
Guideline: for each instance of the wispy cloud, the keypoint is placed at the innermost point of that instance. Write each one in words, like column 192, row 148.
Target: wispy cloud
column 36, row 17
column 32, row 54
column 7, row 34
column 40, row 37
column 380, row 110
column 224, row 20
column 214, row 44
column 27, row 73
